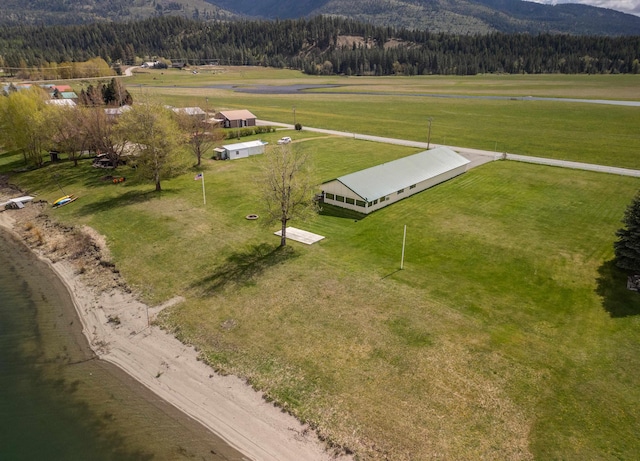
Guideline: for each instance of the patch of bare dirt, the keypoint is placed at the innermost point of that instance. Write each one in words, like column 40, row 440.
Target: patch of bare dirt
column 350, row 40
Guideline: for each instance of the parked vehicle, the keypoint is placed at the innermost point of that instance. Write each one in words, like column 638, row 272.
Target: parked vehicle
column 284, row 140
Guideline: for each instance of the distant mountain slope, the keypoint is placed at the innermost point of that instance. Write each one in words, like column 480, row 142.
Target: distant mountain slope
column 456, row 16
column 272, row 9
column 567, row 17
column 452, row 16
column 21, row 12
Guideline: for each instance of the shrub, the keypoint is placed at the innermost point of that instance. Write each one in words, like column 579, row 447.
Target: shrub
column 234, row 133
column 263, row 129
column 298, row 127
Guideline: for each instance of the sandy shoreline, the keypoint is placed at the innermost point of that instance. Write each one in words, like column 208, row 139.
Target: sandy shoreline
column 118, row 330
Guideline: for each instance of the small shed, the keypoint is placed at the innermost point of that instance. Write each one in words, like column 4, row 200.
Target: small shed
column 376, row 187
column 240, row 150
column 236, row 118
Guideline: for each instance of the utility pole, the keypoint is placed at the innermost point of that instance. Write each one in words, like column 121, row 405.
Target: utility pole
column 404, row 240
column 429, row 136
column 294, row 116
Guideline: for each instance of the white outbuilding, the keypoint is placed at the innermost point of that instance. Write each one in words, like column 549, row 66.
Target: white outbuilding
column 376, row 187
column 240, row 150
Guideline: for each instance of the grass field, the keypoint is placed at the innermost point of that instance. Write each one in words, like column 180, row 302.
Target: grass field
column 508, row 335
column 591, row 133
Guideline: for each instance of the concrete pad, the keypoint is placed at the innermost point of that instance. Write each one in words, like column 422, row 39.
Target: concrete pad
column 300, row 235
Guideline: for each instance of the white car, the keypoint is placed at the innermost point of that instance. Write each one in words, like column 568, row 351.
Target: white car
column 284, row 140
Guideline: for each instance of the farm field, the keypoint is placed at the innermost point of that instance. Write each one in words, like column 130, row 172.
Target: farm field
column 591, row 133
column 508, row 335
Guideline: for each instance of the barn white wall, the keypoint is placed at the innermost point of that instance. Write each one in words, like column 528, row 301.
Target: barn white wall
column 337, row 188
column 233, row 154
column 256, row 150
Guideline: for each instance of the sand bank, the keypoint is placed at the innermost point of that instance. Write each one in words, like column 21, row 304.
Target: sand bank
column 119, row 329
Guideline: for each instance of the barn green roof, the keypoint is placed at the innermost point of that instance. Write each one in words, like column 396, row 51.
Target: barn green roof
column 387, row 178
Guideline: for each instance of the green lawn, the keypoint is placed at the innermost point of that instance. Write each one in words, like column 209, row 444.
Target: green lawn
column 508, row 335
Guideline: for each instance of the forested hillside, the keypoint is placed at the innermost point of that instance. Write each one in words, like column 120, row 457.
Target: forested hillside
column 17, row 12
column 321, row 45
column 453, row 16
column 449, row 16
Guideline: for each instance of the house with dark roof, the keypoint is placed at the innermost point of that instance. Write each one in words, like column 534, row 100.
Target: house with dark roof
column 376, row 187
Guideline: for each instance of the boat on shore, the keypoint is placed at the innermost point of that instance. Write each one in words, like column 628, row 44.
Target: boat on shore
column 65, row 200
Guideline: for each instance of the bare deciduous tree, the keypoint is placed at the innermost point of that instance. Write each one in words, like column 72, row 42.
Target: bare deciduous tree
column 288, row 189
column 201, row 136
column 65, row 129
column 102, row 137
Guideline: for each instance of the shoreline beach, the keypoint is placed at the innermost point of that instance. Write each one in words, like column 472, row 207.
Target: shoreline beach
column 119, row 329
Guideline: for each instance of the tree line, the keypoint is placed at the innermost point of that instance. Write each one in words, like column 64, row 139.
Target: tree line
column 315, row 46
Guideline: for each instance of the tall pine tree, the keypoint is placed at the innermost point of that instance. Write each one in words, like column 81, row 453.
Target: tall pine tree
column 627, row 248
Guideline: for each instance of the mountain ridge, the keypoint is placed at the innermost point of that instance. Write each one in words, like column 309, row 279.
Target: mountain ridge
column 455, row 16
column 448, row 16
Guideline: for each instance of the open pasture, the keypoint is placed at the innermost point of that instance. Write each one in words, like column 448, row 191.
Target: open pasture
column 508, row 335
column 398, row 107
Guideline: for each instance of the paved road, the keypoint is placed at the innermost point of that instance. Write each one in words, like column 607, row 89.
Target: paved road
column 476, row 156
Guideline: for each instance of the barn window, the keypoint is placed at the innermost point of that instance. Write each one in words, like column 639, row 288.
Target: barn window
column 360, row 203
column 375, row 202
column 329, row 196
column 350, row 201
column 339, row 198
column 400, row 191
column 382, row 199
column 412, row 187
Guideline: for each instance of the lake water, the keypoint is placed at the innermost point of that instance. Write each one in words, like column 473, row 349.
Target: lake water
column 57, row 401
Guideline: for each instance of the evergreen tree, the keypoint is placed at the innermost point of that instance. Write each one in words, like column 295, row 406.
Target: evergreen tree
column 627, row 248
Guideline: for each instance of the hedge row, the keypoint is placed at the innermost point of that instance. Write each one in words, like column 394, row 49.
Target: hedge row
column 234, row 133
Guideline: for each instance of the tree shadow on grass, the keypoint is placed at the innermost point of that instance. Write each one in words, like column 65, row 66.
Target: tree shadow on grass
column 617, row 300
column 7, row 164
column 131, row 197
column 243, row 267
